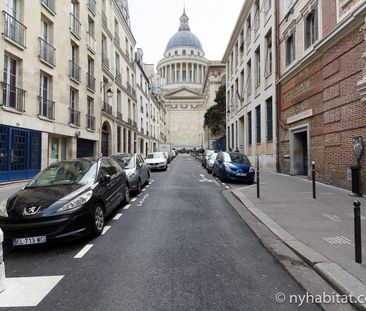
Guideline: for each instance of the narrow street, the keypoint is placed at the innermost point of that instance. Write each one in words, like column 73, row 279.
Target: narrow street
column 178, row 246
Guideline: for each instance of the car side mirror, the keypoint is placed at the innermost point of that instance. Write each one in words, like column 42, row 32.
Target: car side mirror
column 106, row 179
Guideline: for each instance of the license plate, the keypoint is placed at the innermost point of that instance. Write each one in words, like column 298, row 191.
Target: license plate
column 241, row 174
column 30, row 241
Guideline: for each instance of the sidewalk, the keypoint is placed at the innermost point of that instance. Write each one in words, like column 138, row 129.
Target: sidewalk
column 320, row 231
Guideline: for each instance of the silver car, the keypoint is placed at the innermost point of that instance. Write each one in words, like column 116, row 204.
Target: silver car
column 210, row 162
column 137, row 171
column 156, row 161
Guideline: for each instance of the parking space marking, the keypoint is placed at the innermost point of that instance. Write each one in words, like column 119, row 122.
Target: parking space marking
column 227, row 187
column 105, row 229
column 139, row 195
column 147, row 186
column 133, row 200
column 127, row 206
column 118, row 216
column 223, row 183
column 216, row 183
column 83, row 251
column 143, row 189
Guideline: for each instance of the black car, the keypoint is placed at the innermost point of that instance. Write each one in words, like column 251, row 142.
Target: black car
column 67, row 200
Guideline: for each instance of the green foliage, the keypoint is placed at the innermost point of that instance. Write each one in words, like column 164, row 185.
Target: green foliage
column 215, row 116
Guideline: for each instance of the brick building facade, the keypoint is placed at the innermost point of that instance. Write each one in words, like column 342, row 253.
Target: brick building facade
column 320, row 107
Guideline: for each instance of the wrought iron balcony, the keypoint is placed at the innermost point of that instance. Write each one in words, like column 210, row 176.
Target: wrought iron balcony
column 116, row 39
column 13, row 29
column 46, row 108
column 142, row 131
column 90, row 122
column 74, row 71
column 47, row 52
column 90, row 41
column 119, row 116
column 92, row 6
column 50, row 4
column 107, row 108
column 130, row 122
column 134, row 124
column 130, row 89
column 13, row 97
column 118, row 75
column 90, row 81
column 74, row 25
column 74, row 116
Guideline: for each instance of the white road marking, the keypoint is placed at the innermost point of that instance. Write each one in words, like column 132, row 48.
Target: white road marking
column 227, row 187
column 27, row 292
column 127, row 206
column 204, row 179
column 223, row 183
column 118, row 216
column 133, row 200
column 83, row 251
column 143, row 189
column 338, row 240
column 139, row 195
column 332, row 217
column 105, row 229
column 147, row 186
column 216, row 183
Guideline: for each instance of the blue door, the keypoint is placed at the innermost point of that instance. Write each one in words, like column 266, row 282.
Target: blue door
column 20, row 153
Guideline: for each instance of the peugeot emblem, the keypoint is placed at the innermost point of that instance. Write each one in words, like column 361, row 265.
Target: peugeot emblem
column 31, row 210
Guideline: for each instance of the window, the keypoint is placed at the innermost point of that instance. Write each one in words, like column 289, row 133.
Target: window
column 256, row 16
column 46, row 108
column 258, row 123
column 119, row 139
column 311, row 29
column 74, row 105
column 290, row 49
column 184, row 52
column 248, row 35
column 175, row 52
column 90, row 113
column 74, row 15
column 192, row 53
column 46, row 49
column 249, row 115
column 248, row 84
column 268, row 66
column 257, row 68
column 269, row 119
column 12, row 95
column 74, row 67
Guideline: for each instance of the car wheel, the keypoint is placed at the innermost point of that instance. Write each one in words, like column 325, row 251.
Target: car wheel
column 209, row 171
column 213, row 173
column 126, row 197
column 97, row 223
column 251, row 181
column 221, row 177
column 166, row 167
column 148, row 178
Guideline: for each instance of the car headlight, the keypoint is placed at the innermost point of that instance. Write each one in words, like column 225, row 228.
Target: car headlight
column 3, row 210
column 131, row 174
column 77, row 202
column 228, row 166
column 251, row 169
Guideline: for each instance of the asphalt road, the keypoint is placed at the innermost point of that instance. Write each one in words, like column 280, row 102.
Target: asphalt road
column 179, row 246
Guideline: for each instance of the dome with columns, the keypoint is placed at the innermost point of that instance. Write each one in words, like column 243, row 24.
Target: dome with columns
column 184, row 61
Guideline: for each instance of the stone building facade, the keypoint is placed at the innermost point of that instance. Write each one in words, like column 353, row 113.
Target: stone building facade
column 321, row 72
column 181, row 73
column 250, row 59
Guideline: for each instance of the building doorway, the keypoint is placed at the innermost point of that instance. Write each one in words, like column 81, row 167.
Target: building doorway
column 105, row 139
column 300, row 152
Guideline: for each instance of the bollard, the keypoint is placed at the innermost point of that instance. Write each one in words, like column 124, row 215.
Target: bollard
column 258, row 193
column 358, row 245
column 2, row 266
column 313, row 178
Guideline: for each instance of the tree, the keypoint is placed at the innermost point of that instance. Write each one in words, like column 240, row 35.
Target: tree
column 215, row 116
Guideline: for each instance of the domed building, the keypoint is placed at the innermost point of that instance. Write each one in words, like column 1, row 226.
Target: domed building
column 182, row 73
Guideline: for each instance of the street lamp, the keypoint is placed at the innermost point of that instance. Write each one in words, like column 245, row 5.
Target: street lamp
column 108, row 86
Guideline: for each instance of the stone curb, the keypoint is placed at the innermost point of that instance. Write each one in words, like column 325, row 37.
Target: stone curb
column 335, row 275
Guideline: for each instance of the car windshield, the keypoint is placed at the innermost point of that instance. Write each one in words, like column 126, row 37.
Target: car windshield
column 125, row 162
column 66, row 173
column 155, row 155
column 236, row 157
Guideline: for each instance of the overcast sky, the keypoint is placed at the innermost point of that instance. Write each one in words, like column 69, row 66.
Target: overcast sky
column 154, row 22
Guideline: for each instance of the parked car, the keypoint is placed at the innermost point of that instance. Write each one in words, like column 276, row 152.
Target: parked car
column 167, row 156
column 67, row 200
column 136, row 170
column 233, row 166
column 156, row 161
column 210, row 162
column 206, row 156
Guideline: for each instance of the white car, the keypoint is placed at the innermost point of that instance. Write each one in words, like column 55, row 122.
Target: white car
column 156, row 161
column 210, row 162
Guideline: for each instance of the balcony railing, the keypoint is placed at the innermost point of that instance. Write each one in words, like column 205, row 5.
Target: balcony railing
column 107, row 108
column 90, row 122
column 13, row 97
column 134, row 124
column 74, row 71
column 92, row 6
column 13, row 29
column 74, row 25
column 90, row 41
column 142, row 131
column 46, row 108
column 74, row 116
column 118, row 75
column 105, row 61
column 119, row 116
column 116, row 39
column 90, row 81
column 47, row 52
column 130, row 122
column 50, row 4
column 130, row 89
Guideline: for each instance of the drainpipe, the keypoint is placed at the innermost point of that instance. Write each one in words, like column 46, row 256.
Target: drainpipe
column 277, row 71
column 2, row 266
